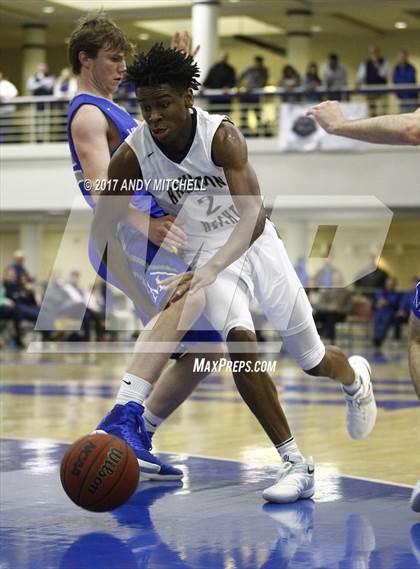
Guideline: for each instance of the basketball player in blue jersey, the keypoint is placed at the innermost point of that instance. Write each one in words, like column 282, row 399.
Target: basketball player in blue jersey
column 96, row 127
column 401, row 129
column 236, row 250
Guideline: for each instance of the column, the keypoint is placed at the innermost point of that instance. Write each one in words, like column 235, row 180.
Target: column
column 299, row 38
column 295, row 237
column 34, row 50
column 204, row 33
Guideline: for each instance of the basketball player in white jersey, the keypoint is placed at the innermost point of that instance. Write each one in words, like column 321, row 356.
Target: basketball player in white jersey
column 387, row 129
column 236, row 250
column 96, row 127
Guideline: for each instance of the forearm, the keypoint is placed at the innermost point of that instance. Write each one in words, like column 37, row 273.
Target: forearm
column 388, row 129
column 138, row 219
column 240, row 240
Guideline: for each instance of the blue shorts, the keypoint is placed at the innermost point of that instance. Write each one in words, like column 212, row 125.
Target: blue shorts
column 149, row 265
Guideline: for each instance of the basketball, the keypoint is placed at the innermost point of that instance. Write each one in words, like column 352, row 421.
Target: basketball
column 99, row 472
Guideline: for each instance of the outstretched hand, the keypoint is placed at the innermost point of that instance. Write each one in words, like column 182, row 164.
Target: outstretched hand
column 182, row 42
column 328, row 114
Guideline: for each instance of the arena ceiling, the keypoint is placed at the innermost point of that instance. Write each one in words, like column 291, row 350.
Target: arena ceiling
column 260, row 19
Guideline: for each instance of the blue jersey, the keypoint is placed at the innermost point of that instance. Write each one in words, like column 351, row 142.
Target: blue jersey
column 148, row 263
column 416, row 302
column 125, row 124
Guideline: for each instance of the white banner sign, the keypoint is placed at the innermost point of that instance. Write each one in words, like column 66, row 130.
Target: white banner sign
column 300, row 133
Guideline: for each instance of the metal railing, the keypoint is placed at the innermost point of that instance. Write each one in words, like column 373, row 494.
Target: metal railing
column 43, row 119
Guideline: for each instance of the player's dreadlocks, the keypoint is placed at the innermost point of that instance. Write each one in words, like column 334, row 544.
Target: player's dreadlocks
column 164, row 65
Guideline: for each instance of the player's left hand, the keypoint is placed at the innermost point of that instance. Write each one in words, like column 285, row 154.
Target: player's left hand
column 182, row 42
column 191, row 281
column 177, row 285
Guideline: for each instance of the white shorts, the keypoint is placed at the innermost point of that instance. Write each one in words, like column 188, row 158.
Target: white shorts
column 266, row 273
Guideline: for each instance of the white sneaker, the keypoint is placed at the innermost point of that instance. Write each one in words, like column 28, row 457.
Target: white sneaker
column 415, row 498
column 361, row 407
column 295, row 481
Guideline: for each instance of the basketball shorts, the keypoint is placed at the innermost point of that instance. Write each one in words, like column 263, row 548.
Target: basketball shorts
column 265, row 273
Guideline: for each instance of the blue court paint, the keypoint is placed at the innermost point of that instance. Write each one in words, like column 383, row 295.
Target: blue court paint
column 215, row 519
column 106, row 391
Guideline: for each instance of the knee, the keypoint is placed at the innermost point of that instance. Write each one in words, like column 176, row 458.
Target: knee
column 243, row 335
column 195, row 303
column 317, row 370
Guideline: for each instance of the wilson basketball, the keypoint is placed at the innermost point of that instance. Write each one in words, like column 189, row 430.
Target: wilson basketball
column 99, row 472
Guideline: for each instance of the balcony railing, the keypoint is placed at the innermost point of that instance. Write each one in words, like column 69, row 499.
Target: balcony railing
column 43, row 119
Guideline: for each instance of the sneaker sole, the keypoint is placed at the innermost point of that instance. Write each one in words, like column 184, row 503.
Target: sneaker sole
column 307, row 494
column 415, row 500
column 160, row 477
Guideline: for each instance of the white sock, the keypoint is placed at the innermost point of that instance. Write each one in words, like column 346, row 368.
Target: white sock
column 353, row 387
column 151, row 421
column 133, row 388
column 289, row 451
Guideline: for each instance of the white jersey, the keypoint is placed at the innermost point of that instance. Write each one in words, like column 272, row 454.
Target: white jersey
column 210, row 216
column 195, row 189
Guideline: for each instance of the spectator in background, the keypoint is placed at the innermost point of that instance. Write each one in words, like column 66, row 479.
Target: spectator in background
column 77, row 305
column 334, row 77
column 405, row 73
column 386, row 304
column 371, row 277
column 254, row 77
column 302, row 271
column 373, row 71
column 221, row 76
column 96, row 307
column 18, row 265
column 289, row 81
column 311, row 82
column 404, row 308
column 8, row 312
column 18, row 290
column 41, row 83
column 7, row 112
column 65, row 85
column 328, row 274
column 7, row 89
column 333, row 306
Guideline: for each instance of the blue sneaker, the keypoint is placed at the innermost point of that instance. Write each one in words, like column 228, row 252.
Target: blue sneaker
column 126, row 422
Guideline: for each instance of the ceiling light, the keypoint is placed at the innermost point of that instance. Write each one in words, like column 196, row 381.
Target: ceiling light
column 234, row 1
column 48, row 9
column 316, row 29
column 400, row 25
column 143, row 36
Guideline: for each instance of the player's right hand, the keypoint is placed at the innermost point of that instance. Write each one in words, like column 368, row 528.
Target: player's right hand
column 182, row 42
column 166, row 232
